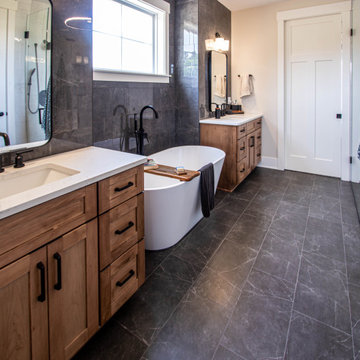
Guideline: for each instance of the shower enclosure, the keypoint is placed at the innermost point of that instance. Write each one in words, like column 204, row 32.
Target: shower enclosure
column 37, row 70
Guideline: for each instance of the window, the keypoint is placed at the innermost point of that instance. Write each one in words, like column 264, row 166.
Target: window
column 130, row 38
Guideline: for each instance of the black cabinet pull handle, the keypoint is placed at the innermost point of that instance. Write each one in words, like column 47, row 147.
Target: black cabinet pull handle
column 58, row 285
column 242, row 130
column 122, row 283
column 253, row 141
column 258, row 155
column 42, row 295
column 259, row 122
column 259, row 137
column 243, row 170
column 130, row 184
column 242, row 148
column 119, row 232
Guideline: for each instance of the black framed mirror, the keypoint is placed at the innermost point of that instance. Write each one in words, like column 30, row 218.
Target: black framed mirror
column 25, row 74
column 217, row 79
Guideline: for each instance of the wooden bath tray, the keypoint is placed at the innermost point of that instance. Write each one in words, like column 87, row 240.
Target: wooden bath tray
column 169, row 171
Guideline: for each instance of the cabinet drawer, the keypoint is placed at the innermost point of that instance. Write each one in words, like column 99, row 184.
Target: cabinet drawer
column 241, row 149
column 120, row 280
column 120, row 228
column 250, row 126
column 119, row 188
column 32, row 228
column 241, row 170
column 258, row 123
column 241, row 131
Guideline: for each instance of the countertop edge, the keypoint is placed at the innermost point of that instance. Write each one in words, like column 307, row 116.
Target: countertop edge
column 230, row 120
column 68, row 189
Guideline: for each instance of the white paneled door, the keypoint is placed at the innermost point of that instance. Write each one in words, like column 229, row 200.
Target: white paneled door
column 313, row 95
column 3, row 51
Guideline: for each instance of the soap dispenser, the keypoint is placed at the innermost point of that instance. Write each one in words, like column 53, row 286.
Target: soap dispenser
column 217, row 111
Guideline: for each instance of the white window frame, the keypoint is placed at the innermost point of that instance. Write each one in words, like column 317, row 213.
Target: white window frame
column 125, row 76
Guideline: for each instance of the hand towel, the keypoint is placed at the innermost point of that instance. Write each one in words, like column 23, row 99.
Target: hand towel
column 207, row 190
column 220, row 86
column 246, row 85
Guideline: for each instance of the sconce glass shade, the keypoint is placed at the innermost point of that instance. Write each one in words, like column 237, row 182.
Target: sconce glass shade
column 218, row 44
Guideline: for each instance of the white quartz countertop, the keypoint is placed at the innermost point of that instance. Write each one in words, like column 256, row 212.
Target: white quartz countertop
column 232, row 120
column 92, row 164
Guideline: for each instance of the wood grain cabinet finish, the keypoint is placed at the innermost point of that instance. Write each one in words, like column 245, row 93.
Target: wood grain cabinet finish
column 24, row 308
column 73, row 290
column 49, row 267
column 33, row 228
column 119, row 188
column 242, row 145
column 120, row 280
column 120, row 228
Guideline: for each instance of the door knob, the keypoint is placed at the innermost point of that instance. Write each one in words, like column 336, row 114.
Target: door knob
column 2, row 113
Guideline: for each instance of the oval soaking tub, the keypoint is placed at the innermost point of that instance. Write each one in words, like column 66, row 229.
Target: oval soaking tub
column 173, row 207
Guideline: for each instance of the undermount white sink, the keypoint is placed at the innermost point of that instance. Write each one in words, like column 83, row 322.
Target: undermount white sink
column 18, row 181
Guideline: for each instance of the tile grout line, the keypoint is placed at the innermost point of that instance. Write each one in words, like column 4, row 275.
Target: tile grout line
column 297, row 277
column 186, row 292
column 247, row 277
column 321, row 322
column 347, row 278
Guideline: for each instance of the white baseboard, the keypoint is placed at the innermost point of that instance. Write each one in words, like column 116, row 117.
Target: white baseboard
column 269, row 162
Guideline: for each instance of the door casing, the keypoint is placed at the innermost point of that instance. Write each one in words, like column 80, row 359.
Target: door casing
column 344, row 9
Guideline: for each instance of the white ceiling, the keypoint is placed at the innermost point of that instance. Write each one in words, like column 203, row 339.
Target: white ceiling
column 235, row 5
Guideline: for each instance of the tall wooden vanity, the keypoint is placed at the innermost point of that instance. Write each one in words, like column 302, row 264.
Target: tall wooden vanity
column 68, row 264
column 240, row 138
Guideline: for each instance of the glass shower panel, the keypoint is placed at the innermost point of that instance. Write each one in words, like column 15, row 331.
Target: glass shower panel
column 37, row 72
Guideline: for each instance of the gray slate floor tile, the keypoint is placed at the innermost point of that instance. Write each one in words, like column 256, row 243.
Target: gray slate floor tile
column 310, row 339
column 112, row 342
column 193, row 331
column 258, row 327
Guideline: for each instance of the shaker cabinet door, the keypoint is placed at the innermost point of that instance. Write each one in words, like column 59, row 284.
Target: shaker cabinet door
column 23, row 309
column 73, row 290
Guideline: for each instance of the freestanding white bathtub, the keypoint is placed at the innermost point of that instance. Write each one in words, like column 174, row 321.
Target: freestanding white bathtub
column 173, row 207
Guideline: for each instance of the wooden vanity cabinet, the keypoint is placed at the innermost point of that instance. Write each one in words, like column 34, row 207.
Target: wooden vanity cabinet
column 24, row 317
column 49, row 273
column 242, row 145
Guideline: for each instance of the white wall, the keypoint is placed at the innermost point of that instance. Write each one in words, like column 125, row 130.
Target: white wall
column 356, row 91
column 254, row 51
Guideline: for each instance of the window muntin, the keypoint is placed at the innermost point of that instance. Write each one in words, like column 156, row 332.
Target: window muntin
column 129, row 37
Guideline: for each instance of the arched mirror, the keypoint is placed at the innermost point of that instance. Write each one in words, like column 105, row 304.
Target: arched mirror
column 25, row 74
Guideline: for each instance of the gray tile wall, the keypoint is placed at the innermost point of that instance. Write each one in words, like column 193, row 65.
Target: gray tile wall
column 83, row 109
column 117, row 131
column 72, row 82
column 187, row 72
column 213, row 17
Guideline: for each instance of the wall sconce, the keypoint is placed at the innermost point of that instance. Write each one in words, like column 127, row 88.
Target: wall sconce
column 217, row 44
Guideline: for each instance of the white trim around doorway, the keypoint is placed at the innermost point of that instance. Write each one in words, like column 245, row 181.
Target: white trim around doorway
column 343, row 8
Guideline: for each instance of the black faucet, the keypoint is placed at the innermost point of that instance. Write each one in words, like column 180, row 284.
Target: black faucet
column 140, row 134
column 6, row 138
column 19, row 161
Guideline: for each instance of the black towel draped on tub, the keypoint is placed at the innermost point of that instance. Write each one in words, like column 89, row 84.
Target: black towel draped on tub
column 207, row 189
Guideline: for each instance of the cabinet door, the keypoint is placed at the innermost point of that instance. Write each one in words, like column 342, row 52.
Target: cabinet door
column 73, row 290
column 23, row 309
